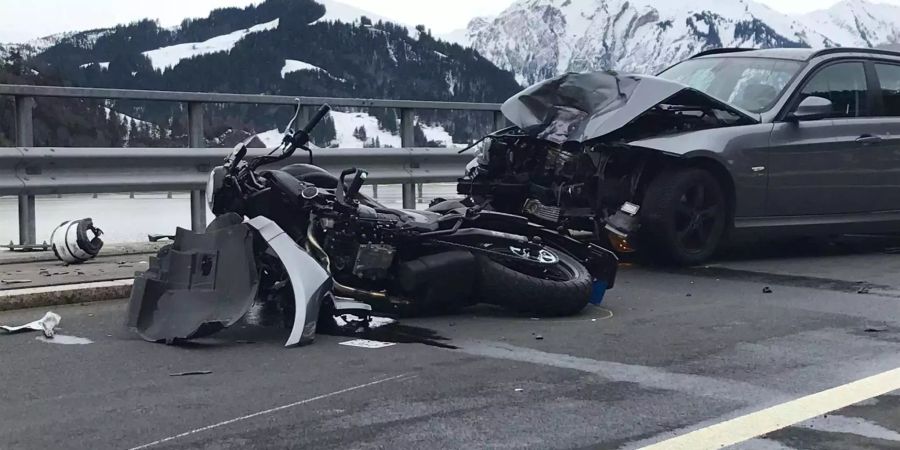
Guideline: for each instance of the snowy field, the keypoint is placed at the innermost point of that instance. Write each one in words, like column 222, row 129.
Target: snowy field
column 125, row 219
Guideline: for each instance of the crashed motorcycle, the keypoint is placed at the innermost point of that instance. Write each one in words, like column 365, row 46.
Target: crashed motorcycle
column 312, row 246
column 582, row 153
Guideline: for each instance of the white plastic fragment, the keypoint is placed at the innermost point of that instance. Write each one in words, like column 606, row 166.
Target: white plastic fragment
column 365, row 343
column 45, row 324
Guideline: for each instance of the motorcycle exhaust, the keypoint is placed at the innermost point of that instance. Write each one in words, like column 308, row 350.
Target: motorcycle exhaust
column 312, row 244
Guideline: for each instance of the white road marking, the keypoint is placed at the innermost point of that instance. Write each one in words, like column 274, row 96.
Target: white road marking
column 771, row 419
column 65, row 287
column 268, row 411
column 646, row 376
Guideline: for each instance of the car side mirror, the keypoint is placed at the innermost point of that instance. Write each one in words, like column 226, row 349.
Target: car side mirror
column 811, row 108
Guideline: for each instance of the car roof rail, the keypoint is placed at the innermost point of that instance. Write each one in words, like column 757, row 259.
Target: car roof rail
column 874, row 51
column 718, row 51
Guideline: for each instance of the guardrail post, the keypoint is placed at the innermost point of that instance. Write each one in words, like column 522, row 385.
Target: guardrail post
column 407, row 140
column 27, row 233
column 197, row 140
column 499, row 121
column 25, row 138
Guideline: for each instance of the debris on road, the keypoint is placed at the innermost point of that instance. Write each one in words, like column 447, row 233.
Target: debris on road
column 876, row 329
column 767, row 290
column 71, row 243
column 190, row 373
column 14, row 281
column 520, row 390
column 863, row 290
column 365, row 343
column 46, row 324
column 65, row 340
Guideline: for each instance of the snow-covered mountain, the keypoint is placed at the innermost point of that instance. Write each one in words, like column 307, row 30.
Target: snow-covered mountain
column 316, row 48
column 537, row 39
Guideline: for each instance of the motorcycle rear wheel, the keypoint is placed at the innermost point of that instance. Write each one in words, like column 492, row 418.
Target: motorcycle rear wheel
column 558, row 288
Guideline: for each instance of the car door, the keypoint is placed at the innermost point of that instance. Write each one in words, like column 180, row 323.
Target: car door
column 885, row 153
column 825, row 166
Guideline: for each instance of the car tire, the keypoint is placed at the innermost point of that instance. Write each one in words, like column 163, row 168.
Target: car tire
column 683, row 217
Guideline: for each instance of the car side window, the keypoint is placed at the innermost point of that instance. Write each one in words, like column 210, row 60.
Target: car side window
column 889, row 79
column 842, row 83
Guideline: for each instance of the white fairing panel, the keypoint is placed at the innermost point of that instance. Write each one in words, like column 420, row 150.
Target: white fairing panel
column 310, row 282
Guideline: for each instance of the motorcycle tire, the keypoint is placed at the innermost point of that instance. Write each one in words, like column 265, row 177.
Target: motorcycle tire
column 519, row 288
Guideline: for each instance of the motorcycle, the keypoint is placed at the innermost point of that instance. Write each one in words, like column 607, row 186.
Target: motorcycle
column 314, row 247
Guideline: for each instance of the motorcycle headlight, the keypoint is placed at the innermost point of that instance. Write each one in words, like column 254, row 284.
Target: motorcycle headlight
column 213, row 185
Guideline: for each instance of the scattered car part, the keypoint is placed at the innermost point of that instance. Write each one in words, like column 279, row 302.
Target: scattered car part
column 191, row 373
column 71, row 243
column 46, row 324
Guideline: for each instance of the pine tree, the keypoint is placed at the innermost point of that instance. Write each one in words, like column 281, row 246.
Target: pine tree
column 360, row 133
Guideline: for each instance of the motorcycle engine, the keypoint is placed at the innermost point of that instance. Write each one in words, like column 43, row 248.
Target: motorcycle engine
column 358, row 249
column 373, row 261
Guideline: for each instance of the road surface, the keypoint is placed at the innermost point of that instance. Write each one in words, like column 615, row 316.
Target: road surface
column 683, row 351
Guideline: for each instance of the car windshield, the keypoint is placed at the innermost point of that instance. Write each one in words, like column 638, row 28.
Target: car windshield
column 753, row 84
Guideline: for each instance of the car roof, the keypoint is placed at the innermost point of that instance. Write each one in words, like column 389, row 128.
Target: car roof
column 797, row 54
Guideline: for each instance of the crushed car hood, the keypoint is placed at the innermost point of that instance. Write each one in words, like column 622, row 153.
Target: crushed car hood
column 582, row 107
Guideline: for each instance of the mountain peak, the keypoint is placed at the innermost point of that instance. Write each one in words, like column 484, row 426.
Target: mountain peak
column 537, row 39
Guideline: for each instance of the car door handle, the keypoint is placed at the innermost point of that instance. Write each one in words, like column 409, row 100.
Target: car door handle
column 868, row 139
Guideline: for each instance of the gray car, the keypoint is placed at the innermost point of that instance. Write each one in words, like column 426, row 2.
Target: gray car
column 730, row 142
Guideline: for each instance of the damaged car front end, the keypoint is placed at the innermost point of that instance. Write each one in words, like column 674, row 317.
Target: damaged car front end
column 584, row 147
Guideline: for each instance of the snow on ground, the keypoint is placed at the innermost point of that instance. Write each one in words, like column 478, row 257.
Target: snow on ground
column 271, row 138
column 155, row 130
column 163, row 58
column 345, row 123
column 292, row 65
column 337, row 11
column 437, row 133
column 103, row 65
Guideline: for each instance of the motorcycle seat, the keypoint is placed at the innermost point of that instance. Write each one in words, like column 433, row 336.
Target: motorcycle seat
column 312, row 174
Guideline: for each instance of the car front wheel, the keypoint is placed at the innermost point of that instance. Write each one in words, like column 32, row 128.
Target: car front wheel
column 683, row 216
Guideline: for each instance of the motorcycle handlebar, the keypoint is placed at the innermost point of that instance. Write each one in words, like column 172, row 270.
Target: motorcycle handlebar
column 320, row 114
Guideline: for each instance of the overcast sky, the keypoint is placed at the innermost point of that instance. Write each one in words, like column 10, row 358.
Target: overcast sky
column 21, row 20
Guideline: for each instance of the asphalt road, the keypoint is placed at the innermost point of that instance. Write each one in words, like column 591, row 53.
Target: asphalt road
column 683, row 350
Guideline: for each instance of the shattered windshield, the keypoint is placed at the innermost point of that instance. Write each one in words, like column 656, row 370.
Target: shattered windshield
column 754, row 84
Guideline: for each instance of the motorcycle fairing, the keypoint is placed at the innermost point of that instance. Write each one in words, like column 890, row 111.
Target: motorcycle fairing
column 206, row 282
column 311, row 284
column 202, row 283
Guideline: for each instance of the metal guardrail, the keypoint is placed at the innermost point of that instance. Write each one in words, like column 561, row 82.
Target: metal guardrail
column 27, row 171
